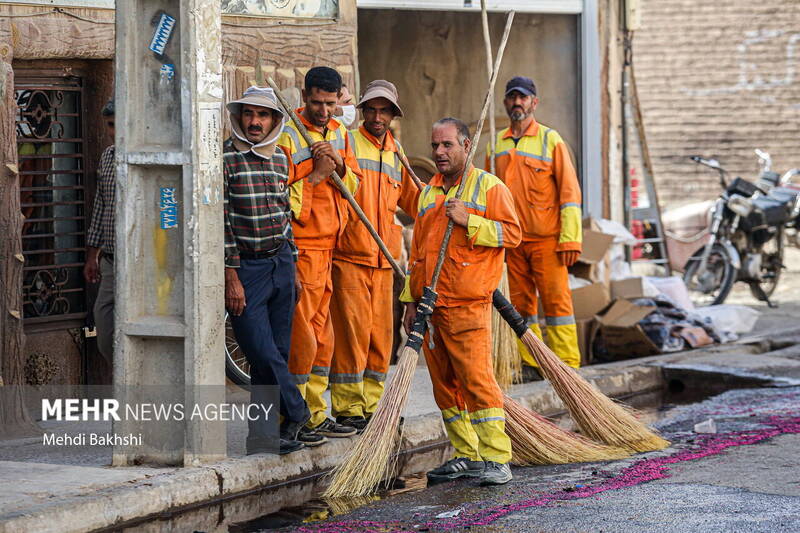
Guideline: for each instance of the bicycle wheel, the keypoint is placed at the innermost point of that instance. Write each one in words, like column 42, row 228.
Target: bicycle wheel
column 236, row 366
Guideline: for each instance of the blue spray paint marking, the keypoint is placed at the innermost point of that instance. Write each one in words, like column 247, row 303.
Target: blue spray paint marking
column 162, row 34
column 169, row 208
column 167, row 72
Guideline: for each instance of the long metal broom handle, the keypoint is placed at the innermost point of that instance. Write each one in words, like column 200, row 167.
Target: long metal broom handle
column 472, row 149
column 337, row 180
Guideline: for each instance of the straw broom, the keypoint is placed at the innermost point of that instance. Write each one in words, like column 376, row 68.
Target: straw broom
column 537, row 441
column 372, row 459
column 597, row 416
column 505, row 354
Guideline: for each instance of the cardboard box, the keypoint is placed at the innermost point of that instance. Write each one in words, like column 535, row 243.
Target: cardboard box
column 628, row 289
column 590, row 300
column 623, row 337
column 593, row 263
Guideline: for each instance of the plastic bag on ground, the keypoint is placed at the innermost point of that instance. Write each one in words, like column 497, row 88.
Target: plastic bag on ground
column 737, row 319
column 675, row 288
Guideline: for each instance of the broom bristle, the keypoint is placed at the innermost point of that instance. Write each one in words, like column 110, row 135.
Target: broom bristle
column 507, row 363
column 598, row 417
column 537, row 441
column 372, row 459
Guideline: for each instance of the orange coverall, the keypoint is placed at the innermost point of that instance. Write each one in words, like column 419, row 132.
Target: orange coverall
column 460, row 362
column 361, row 307
column 538, row 170
column 320, row 214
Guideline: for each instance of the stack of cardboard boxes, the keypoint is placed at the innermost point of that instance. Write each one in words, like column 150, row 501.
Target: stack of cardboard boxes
column 602, row 307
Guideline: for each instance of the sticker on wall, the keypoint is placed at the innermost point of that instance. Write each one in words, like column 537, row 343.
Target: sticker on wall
column 169, row 208
column 167, row 72
column 162, row 34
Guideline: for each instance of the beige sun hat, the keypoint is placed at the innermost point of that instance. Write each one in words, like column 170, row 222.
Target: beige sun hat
column 260, row 96
column 381, row 89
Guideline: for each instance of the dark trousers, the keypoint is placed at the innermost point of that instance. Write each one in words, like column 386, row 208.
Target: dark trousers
column 264, row 332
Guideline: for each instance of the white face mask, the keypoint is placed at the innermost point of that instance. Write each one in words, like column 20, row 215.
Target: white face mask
column 349, row 115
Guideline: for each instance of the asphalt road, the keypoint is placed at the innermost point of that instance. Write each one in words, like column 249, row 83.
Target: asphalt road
column 743, row 478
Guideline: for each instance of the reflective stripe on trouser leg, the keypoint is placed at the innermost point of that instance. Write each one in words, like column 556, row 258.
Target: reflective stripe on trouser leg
column 461, row 433
column 490, row 427
column 312, row 332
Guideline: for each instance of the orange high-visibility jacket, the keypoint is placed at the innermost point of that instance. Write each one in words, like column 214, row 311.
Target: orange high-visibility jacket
column 474, row 261
column 385, row 184
column 539, row 171
column 320, row 212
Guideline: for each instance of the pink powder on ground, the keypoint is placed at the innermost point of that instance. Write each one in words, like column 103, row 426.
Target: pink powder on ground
column 640, row 472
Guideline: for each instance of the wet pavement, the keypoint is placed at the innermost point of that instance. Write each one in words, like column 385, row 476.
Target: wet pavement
column 745, row 477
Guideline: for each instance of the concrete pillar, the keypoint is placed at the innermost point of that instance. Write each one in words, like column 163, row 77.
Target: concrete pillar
column 169, row 251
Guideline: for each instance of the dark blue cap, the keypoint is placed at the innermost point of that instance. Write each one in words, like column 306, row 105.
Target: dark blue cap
column 521, row 84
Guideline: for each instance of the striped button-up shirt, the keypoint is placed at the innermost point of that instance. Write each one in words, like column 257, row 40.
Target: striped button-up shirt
column 101, row 228
column 257, row 211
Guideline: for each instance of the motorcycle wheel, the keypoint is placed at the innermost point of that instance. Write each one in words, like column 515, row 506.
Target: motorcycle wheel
column 771, row 266
column 718, row 280
column 236, row 366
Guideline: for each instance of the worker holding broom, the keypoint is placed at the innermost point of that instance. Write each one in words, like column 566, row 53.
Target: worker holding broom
column 320, row 214
column 361, row 306
column 534, row 162
column 458, row 343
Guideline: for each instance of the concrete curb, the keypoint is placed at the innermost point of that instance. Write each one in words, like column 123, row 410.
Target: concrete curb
column 164, row 492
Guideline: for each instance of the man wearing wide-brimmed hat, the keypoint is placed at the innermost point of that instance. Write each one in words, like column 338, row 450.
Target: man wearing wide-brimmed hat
column 260, row 257
column 362, row 276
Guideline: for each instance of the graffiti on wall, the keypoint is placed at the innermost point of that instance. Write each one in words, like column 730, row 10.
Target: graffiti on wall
column 282, row 8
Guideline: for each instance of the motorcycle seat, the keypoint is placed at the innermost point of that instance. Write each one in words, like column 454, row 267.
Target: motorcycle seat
column 784, row 195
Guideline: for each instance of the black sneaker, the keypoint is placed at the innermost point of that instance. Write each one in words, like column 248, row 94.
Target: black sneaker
column 531, row 373
column 454, row 469
column 329, row 428
column 496, row 474
column 310, row 437
column 358, row 422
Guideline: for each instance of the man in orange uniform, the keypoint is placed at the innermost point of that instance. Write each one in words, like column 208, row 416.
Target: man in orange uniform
column 460, row 356
column 361, row 308
column 534, row 162
column 320, row 215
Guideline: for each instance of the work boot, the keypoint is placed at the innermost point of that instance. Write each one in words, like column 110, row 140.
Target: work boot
column 358, row 422
column 530, row 373
column 329, row 428
column 310, row 437
column 454, row 469
column 496, row 474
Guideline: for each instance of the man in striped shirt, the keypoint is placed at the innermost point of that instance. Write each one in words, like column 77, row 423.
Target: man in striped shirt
column 260, row 283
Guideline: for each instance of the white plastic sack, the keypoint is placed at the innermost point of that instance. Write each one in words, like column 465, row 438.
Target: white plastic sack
column 675, row 289
column 577, row 283
column 649, row 289
column 738, row 319
column 620, row 232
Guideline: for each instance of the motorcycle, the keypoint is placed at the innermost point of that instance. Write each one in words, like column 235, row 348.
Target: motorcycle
column 746, row 235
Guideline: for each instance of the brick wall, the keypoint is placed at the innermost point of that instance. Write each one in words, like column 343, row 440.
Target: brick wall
column 718, row 79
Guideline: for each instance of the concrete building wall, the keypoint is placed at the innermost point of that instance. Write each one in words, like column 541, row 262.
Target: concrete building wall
column 718, row 79
column 438, row 62
column 38, row 37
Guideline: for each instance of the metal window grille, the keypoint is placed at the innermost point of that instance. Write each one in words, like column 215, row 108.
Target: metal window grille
column 50, row 145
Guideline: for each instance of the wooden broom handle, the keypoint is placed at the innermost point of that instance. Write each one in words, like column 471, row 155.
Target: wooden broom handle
column 472, row 149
